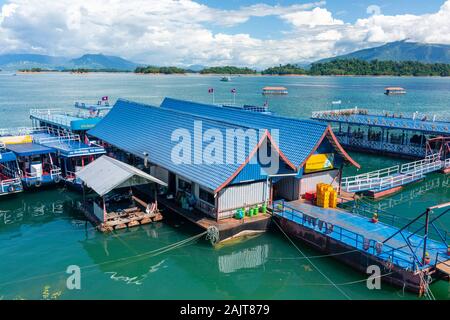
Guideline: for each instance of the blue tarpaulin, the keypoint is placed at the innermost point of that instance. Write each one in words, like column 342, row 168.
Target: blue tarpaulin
column 7, row 157
column 29, row 149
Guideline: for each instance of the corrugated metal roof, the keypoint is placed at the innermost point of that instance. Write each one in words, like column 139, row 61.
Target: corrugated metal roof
column 297, row 137
column 105, row 174
column 139, row 129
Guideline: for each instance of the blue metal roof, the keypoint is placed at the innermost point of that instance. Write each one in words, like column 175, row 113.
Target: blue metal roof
column 297, row 137
column 7, row 156
column 139, row 129
column 29, row 149
column 435, row 127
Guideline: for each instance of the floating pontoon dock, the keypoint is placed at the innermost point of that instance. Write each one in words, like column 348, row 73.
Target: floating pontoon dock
column 389, row 132
column 85, row 118
column 386, row 181
column 121, row 210
column 407, row 256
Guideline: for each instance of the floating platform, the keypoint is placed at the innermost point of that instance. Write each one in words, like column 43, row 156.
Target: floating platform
column 358, row 242
column 130, row 217
column 226, row 229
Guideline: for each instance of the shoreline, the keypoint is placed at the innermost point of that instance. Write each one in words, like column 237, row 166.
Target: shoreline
column 217, row 74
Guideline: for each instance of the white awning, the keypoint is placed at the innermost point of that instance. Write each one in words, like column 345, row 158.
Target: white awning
column 105, row 174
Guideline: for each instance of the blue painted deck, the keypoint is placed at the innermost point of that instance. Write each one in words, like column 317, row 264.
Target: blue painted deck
column 67, row 121
column 67, row 148
column 352, row 229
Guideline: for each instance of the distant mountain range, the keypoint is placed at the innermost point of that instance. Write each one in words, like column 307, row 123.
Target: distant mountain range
column 401, row 51
column 87, row 61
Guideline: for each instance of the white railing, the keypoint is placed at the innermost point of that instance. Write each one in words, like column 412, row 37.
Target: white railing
column 409, row 149
column 334, row 114
column 58, row 114
column 54, row 172
column 330, row 114
column 393, row 176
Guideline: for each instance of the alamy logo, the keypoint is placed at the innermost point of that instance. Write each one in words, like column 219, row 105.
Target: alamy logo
column 229, row 146
column 374, row 279
column 74, row 280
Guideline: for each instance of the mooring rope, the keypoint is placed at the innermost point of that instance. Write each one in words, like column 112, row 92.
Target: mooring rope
column 316, row 257
column 349, row 282
column 309, row 260
column 147, row 254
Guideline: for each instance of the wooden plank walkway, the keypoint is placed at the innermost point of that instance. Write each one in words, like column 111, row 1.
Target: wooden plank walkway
column 444, row 267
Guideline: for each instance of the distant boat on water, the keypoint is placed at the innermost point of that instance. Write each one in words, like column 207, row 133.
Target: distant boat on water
column 274, row 90
column 225, row 79
column 394, row 90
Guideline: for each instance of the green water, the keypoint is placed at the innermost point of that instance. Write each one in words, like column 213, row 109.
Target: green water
column 41, row 233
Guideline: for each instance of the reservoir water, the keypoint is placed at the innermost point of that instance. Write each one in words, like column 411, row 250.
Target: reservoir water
column 42, row 233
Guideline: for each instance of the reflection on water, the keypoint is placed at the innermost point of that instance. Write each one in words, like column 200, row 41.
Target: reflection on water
column 243, row 259
column 28, row 210
column 414, row 192
column 136, row 280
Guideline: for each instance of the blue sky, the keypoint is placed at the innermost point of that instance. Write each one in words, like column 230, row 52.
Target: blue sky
column 346, row 10
column 216, row 32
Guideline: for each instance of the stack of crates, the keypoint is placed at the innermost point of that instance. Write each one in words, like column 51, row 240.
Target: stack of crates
column 326, row 196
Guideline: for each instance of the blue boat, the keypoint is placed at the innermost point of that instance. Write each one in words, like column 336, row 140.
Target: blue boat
column 9, row 172
column 36, row 164
column 72, row 153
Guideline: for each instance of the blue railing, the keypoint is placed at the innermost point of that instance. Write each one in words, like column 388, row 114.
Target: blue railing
column 367, row 210
column 356, row 240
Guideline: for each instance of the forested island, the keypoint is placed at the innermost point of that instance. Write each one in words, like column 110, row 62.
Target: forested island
column 285, row 70
column 336, row 67
column 163, row 70
column 379, row 68
column 228, row 70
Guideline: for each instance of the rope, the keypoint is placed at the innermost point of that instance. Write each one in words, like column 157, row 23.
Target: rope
column 147, row 254
column 348, row 283
column 318, row 256
column 309, row 260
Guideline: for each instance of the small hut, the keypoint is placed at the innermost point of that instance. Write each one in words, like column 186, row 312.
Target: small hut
column 115, row 206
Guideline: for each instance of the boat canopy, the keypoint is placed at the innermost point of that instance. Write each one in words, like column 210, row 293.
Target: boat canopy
column 29, row 149
column 7, row 157
column 106, row 174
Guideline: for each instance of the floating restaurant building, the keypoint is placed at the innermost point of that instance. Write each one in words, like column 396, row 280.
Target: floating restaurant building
column 388, row 132
column 210, row 193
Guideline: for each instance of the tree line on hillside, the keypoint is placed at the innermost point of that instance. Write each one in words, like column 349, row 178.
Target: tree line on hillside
column 284, row 70
column 164, row 70
column 334, row 67
column 378, row 68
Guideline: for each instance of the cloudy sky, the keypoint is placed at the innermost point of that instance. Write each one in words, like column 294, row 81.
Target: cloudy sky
column 255, row 33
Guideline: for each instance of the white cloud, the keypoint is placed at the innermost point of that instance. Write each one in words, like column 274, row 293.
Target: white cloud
column 316, row 17
column 180, row 32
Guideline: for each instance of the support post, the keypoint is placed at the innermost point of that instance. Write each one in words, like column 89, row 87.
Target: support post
column 425, row 237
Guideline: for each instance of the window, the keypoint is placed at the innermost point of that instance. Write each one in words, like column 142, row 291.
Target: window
column 206, row 196
column 185, row 186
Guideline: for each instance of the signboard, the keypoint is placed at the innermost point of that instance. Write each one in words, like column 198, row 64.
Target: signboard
column 319, row 162
column 16, row 139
